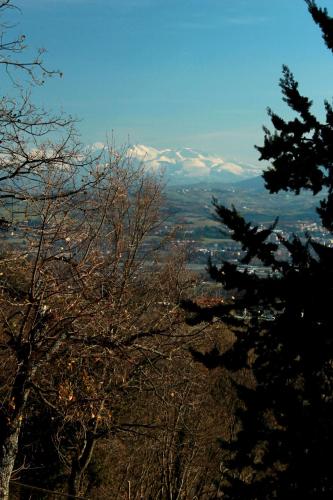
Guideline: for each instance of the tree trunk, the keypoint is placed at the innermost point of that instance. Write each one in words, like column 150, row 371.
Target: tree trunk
column 11, row 416
column 8, row 452
column 79, row 466
column 74, row 480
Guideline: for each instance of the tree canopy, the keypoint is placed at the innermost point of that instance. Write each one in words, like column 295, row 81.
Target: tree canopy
column 286, row 339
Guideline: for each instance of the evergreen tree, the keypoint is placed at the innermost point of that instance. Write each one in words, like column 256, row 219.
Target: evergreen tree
column 284, row 446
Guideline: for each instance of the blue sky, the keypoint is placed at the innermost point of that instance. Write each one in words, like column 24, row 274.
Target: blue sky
column 176, row 73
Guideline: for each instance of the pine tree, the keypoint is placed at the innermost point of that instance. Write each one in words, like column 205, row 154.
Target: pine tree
column 284, row 446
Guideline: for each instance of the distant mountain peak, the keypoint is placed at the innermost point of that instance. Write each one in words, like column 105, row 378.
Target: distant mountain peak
column 187, row 166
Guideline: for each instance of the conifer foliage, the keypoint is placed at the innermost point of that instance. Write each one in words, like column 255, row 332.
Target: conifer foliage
column 286, row 337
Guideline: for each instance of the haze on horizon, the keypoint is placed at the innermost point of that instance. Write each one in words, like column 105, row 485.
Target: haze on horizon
column 176, row 73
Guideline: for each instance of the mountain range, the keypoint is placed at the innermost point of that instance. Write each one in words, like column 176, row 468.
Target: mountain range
column 188, row 167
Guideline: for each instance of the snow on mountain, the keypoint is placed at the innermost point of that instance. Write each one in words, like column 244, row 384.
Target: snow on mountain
column 187, row 166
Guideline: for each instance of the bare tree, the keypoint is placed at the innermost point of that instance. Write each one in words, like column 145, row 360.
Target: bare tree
column 84, row 301
column 11, row 49
column 32, row 140
column 88, row 300
column 41, row 172
column 167, row 439
column 107, row 369
column 46, row 288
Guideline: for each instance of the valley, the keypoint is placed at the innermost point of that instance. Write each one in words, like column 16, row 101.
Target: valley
column 191, row 210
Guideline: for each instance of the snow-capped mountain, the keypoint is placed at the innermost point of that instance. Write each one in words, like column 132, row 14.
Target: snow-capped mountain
column 187, row 166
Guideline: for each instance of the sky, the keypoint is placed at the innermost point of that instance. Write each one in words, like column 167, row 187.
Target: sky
column 176, row 73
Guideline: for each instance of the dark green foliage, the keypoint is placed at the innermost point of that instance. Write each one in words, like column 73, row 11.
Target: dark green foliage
column 321, row 17
column 283, row 448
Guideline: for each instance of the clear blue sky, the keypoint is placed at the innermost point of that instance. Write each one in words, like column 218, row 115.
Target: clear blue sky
column 177, row 73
